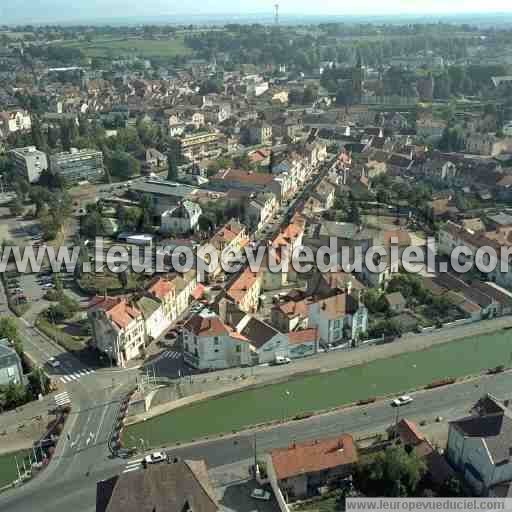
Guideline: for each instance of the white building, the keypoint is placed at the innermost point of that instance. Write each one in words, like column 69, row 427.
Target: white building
column 480, row 446
column 208, row 343
column 15, row 121
column 118, row 329
column 181, row 219
column 338, row 317
column 29, row 162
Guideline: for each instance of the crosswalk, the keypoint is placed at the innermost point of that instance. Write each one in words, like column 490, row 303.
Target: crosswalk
column 169, row 354
column 66, row 379
column 133, row 466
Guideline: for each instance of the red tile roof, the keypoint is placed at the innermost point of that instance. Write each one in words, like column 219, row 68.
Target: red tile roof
column 314, row 456
column 210, row 326
column 299, row 337
column 244, row 283
column 409, row 433
column 122, row 314
column 160, row 287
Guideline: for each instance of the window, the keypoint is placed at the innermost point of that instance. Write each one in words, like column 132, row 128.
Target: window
column 337, row 324
column 238, row 348
column 216, row 340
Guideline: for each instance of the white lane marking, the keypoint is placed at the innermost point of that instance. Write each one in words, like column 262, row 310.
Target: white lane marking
column 76, row 375
column 101, row 423
column 129, row 470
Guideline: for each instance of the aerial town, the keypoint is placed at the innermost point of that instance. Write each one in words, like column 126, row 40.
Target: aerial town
column 131, row 381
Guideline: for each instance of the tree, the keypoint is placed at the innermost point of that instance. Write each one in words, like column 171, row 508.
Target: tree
column 172, row 166
column 16, row 207
column 14, row 395
column 123, row 165
column 9, row 330
column 393, row 472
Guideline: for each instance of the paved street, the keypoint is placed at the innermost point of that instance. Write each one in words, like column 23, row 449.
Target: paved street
column 65, row 486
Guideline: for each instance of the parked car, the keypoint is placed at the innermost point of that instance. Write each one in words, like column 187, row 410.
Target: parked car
column 155, row 458
column 279, row 360
column 47, row 286
column 54, row 363
column 401, row 400
column 260, row 494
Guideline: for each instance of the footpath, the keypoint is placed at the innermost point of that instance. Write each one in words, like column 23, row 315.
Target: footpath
column 218, row 383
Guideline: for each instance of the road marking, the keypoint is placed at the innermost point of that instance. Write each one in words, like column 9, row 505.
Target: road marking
column 101, row 423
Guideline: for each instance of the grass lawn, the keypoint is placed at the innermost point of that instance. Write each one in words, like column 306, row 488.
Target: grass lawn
column 141, row 47
column 65, row 340
column 319, row 392
column 8, row 472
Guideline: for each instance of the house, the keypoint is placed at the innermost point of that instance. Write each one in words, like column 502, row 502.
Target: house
column 245, row 291
column 266, row 342
column 486, row 144
column 245, row 181
column 407, row 434
column 233, row 235
column 480, row 446
column 302, row 343
column 178, row 486
column 299, row 470
column 290, row 315
column 211, row 344
column 15, row 121
column 396, row 302
column 181, row 219
column 260, row 209
column 155, row 159
column 184, row 285
column 165, row 291
column 11, row 369
column 154, row 317
column 338, row 317
column 118, row 329
column 258, row 132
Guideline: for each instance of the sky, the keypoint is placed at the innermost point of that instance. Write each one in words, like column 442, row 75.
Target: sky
column 36, row 11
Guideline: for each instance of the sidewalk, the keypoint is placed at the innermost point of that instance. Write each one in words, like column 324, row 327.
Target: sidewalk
column 227, row 381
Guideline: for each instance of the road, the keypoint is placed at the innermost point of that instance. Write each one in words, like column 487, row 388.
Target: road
column 67, row 487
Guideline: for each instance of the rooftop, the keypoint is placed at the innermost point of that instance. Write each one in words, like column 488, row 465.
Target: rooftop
column 314, row 456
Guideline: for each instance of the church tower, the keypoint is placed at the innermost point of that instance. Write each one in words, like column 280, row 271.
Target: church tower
column 357, row 79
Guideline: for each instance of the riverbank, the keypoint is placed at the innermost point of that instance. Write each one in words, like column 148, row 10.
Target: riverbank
column 326, row 390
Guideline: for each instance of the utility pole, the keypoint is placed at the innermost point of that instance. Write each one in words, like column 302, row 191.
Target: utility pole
column 17, row 467
column 255, row 453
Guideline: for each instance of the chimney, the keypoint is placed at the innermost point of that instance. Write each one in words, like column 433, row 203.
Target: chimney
column 506, row 402
column 223, row 310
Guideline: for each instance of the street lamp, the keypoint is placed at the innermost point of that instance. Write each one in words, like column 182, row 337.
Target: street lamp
column 286, row 395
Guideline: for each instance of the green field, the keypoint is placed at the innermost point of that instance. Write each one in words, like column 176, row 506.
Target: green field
column 8, row 472
column 382, row 377
column 146, row 48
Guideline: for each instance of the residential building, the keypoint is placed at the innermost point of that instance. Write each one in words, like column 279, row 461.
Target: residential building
column 245, row 291
column 396, row 302
column 181, row 219
column 200, row 145
column 338, row 317
column 299, row 470
column 155, row 159
column 118, row 329
column 258, row 133
column 260, row 209
column 78, row 165
column 11, row 369
column 302, row 343
column 29, row 162
column 480, row 446
column 487, row 144
column 15, row 121
column 210, row 344
column 178, row 486
column 236, row 179
column 155, row 322
column 165, row 291
column 290, row 315
column 232, row 235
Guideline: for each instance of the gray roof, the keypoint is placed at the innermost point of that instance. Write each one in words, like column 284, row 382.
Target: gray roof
column 163, row 188
column 258, row 332
column 501, row 219
column 494, row 429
